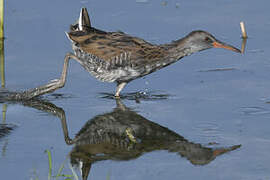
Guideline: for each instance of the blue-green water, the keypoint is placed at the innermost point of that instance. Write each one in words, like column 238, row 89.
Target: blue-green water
column 213, row 108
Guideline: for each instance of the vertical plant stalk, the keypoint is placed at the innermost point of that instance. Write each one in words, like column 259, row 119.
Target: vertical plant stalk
column 50, row 163
column 2, row 63
column 2, row 43
column 243, row 46
column 244, row 36
column 4, row 110
column 1, row 19
column 4, row 148
column 243, row 29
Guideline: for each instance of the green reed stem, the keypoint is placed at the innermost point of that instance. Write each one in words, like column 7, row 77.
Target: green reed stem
column 2, row 43
column 50, row 163
column 4, row 110
column 2, row 63
column 1, row 19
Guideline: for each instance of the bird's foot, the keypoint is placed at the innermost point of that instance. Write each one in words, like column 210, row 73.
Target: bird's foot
column 50, row 87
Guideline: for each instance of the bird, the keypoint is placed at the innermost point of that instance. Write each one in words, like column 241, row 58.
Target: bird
column 121, row 58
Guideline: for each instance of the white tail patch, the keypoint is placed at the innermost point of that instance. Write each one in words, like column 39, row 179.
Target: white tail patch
column 80, row 21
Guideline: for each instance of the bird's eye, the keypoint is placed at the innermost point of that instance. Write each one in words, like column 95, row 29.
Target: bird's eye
column 208, row 39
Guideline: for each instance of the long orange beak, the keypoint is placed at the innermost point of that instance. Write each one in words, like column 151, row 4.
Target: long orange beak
column 218, row 44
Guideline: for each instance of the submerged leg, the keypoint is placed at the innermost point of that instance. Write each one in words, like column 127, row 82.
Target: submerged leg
column 53, row 85
column 119, row 88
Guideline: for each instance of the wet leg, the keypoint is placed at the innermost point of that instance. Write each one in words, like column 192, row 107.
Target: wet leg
column 54, row 84
column 119, row 88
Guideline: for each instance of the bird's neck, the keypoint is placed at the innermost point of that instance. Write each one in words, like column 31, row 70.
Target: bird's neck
column 178, row 49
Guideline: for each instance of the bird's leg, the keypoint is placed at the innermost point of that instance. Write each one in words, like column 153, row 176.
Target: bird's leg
column 53, row 85
column 120, row 105
column 119, row 88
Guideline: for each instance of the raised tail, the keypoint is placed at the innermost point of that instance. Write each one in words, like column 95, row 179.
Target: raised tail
column 84, row 21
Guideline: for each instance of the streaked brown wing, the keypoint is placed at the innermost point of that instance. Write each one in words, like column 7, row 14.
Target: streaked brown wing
column 107, row 46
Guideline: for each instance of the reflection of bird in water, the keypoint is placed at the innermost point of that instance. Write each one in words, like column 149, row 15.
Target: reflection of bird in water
column 124, row 135
column 121, row 58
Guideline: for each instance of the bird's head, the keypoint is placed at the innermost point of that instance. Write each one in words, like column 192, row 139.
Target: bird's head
column 201, row 40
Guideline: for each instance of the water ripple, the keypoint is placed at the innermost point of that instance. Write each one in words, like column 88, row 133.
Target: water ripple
column 218, row 69
column 209, row 130
column 137, row 96
column 254, row 110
